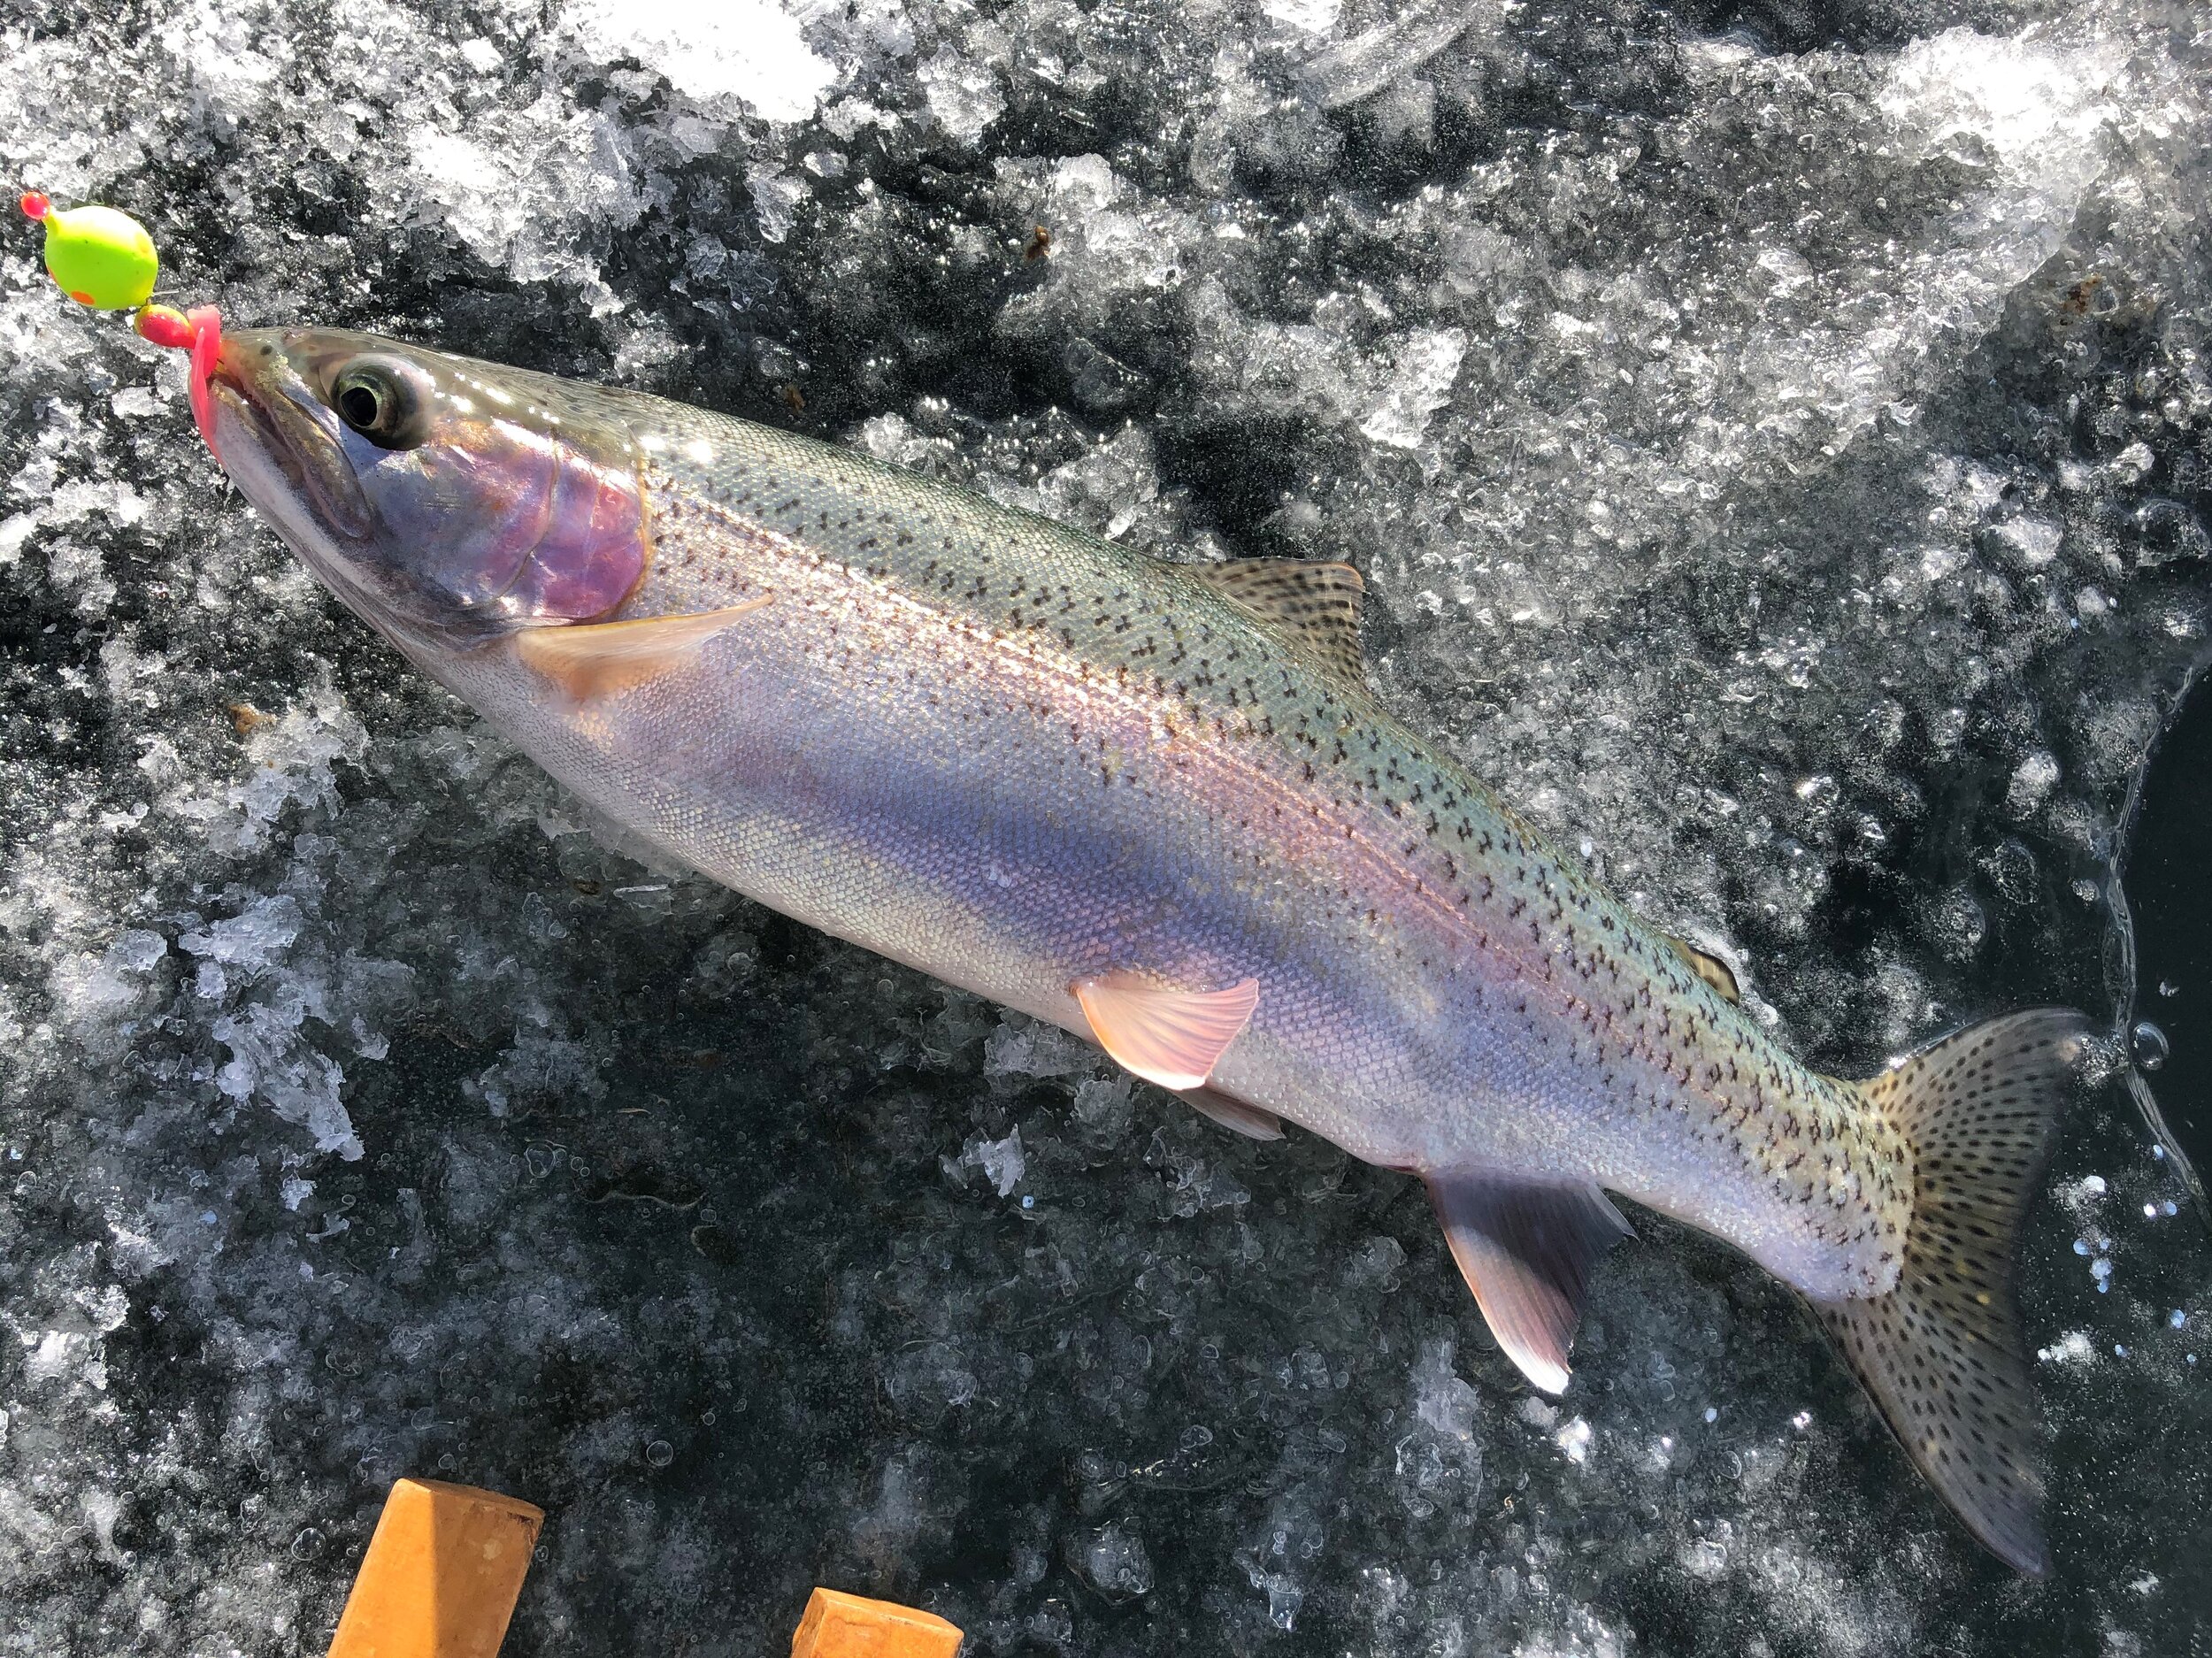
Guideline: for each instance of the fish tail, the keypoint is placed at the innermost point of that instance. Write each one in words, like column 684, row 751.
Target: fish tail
column 1942, row 1353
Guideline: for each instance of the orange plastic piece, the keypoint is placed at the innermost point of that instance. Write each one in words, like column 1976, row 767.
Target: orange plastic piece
column 846, row 1626
column 442, row 1574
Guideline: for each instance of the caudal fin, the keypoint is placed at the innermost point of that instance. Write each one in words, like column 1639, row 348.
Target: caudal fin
column 1942, row 1353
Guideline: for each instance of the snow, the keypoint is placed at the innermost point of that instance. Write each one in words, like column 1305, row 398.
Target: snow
column 720, row 53
column 1775, row 442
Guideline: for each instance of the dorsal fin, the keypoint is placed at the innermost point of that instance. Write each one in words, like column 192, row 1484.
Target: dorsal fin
column 1316, row 605
column 1709, row 967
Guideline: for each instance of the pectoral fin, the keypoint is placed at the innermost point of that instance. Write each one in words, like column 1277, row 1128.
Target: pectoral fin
column 1171, row 1037
column 1234, row 1115
column 600, row 659
column 1527, row 1250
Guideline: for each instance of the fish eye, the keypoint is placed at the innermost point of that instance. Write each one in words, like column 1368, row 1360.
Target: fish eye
column 384, row 399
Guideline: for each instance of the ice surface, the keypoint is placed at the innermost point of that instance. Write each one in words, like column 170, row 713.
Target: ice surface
column 1776, row 437
column 728, row 55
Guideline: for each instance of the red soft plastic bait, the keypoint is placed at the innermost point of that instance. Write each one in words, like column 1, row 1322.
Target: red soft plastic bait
column 207, row 345
column 165, row 327
column 199, row 331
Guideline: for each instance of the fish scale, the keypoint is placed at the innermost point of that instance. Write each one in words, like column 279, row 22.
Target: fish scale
column 1158, row 804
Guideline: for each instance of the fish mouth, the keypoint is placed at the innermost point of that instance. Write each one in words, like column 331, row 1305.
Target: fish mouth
column 254, row 383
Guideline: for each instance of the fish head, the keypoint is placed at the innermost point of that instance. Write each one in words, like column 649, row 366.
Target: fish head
column 447, row 501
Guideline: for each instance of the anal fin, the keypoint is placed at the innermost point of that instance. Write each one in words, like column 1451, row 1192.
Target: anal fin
column 595, row 659
column 1526, row 1250
column 1233, row 1114
column 1172, row 1036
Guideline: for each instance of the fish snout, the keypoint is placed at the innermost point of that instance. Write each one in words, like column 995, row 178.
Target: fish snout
column 265, row 414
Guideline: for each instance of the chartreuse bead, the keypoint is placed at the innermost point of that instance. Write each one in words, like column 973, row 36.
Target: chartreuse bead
column 99, row 257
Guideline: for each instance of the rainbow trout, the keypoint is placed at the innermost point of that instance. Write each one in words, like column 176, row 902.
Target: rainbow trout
column 1156, row 805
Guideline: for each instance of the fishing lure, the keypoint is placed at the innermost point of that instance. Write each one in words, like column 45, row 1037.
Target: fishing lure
column 98, row 256
column 104, row 259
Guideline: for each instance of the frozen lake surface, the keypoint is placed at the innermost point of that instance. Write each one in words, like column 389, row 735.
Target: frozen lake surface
column 1779, row 440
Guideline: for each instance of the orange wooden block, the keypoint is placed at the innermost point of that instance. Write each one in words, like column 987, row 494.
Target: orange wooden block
column 846, row 1626
column 442, row 1574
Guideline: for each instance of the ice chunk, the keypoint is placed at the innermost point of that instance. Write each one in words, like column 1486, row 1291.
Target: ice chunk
column 271, row 1061
column 1370, row 61
column 776, row 198
column 1113, row 1561
column 1440, row 1399
column 65, row 1355
column 1002, row 1161
column 72, row 502
column 15, row 530
column 963, row 94
column 1439, row 1466
column 252, row 939
column 2031, row 782
column 1023, row 1048
column 2074, row 1347
column 2036, row 106
column 1282, row 1552
column 1574, row 1439
column 518, row 188
column 97, row 995
column 1103, row 1108
column 1312, row 17
column 721, row 53
column 1426, row 364
column 929, row 1380
column 2032, row 542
